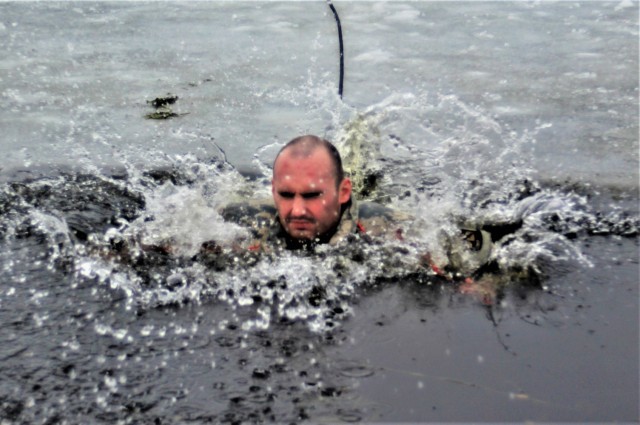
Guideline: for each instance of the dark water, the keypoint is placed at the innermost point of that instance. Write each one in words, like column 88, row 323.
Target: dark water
column 407, row 354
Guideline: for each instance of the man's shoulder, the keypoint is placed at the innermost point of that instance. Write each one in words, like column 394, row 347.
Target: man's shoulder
column 379, row 220
column 368, row 210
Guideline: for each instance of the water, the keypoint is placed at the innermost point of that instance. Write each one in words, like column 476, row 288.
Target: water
column 522, row 117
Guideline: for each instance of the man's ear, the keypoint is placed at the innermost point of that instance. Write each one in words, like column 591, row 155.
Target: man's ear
column 273, row 189
column 344, row 191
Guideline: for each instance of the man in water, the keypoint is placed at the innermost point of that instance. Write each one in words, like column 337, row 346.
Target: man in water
column 312, row 202
column 314, row 205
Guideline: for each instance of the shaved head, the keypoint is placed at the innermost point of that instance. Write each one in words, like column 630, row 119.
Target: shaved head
column 305, row 146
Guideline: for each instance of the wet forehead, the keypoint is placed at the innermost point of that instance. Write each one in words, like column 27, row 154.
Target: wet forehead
column 311, row 170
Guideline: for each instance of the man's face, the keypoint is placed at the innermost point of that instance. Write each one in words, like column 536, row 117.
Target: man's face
column 304, row 191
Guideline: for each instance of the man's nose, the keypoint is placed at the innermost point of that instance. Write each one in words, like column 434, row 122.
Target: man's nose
column 298, row 207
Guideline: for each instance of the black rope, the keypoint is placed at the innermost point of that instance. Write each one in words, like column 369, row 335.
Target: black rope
column 335, row 13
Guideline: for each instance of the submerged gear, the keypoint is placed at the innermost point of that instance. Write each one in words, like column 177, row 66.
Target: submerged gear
column 469, row 251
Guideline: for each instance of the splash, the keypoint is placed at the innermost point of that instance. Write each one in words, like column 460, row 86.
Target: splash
column 441, row 162
column 451, row 165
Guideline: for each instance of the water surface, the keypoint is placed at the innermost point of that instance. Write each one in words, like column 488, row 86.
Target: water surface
column 511, row 115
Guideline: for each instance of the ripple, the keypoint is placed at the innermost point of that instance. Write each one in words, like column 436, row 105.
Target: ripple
column 356, row 370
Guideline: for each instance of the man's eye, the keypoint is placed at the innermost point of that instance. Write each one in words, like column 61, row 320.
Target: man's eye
column 286, row 195
column 311, row 195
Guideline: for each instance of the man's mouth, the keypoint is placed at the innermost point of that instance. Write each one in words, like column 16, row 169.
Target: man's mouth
column 301, row 223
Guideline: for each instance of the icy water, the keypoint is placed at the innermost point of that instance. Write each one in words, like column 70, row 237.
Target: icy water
column 521, row 117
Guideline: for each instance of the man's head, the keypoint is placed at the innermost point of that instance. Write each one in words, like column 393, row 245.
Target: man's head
column 309, row 187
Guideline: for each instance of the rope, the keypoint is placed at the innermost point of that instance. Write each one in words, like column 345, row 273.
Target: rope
column 335, row 14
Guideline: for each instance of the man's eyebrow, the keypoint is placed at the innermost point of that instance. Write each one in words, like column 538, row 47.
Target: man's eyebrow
column 312, row 194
